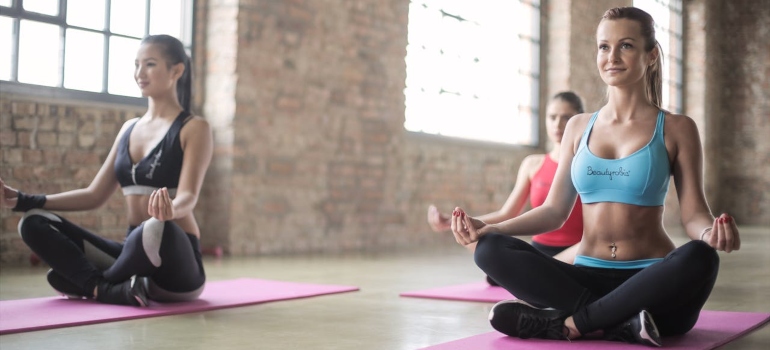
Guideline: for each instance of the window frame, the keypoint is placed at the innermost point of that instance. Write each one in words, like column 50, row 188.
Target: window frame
column 529, row 75
column 17, row 13
column 673, row 55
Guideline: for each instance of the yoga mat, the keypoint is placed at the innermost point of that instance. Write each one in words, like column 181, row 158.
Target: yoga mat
column 713, row 329
column 25, row 315
column 479, row 291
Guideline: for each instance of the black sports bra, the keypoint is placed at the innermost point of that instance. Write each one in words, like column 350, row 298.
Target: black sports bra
column 161, row 168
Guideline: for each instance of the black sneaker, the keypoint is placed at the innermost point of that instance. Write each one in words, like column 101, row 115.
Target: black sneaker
column 64, row 286
column 640, row 329
column 516, row 318
column 132, row 292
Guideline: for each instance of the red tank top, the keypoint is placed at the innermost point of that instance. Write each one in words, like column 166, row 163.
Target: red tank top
column 572, row 231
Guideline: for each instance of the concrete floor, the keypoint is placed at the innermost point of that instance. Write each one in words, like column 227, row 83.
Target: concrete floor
column 373, row 318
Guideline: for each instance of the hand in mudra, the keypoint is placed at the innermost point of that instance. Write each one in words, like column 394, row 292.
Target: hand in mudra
column 465, row 228
column 160, row 206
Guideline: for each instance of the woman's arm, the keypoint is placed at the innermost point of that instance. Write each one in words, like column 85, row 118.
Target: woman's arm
column 197, row 144
column 512, row 206
column 547, row 217
column 561, row 197
column 520, row 193
column 687, row 168
column 98, row 192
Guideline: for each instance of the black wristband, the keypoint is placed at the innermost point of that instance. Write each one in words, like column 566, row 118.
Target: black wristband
column 25, row 202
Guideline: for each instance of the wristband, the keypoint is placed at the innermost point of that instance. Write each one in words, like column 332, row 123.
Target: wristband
column 25, row 202
column 705, row 231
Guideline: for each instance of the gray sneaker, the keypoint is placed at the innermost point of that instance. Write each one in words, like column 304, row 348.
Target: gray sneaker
column 132, row 292
column 640, row 329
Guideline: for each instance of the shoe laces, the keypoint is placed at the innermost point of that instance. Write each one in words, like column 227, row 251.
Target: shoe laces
column 531, row 326
column 623, row 332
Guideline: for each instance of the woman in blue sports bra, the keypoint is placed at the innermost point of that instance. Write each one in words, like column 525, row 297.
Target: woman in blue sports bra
column 159, row 161
column 628, row 282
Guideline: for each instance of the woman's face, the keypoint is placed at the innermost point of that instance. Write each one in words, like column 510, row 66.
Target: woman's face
column 152, row 73
column 557, row 114
column 621, row 58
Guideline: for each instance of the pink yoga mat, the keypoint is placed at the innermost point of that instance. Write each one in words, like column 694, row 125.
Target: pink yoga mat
column 479, row 291
column 27, row 315
column 713, row 329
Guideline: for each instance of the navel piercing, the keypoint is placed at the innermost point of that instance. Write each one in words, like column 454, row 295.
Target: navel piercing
column 614, row 248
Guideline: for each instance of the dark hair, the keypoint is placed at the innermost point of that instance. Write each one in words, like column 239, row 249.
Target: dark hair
column 174, row 52
column 572, row 98
column 653, row 79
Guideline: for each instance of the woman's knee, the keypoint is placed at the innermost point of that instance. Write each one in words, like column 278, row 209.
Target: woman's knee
column 699, row 257
column 490, row 246
column 34, row 223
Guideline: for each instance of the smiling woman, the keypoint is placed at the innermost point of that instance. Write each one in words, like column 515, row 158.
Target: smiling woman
column 629, row 281
column 159, row 161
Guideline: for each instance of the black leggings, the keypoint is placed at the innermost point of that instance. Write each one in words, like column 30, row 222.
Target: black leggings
column 160, row 251
column 549, row 250
column 673, row 290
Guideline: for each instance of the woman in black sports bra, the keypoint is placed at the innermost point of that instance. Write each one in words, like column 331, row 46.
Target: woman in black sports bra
column 159, row 161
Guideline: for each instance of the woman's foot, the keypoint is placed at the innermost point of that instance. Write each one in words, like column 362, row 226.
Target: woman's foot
column 64, row 287
column 516, row 318
column 639, row 329
column 132, row 292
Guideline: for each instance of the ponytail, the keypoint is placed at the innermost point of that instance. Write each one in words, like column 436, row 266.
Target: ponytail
column 653, row 80
column 184, row 86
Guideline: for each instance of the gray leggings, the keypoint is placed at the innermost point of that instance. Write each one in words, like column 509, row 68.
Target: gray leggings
column 168, row 258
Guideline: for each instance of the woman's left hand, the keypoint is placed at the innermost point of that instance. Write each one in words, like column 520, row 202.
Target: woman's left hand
column 160, row 205
column 724, row 234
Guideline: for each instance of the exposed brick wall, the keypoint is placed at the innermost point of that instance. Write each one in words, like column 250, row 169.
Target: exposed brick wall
column 738, row 107
column 49, row 146
column 320, row 159
column 306, row 102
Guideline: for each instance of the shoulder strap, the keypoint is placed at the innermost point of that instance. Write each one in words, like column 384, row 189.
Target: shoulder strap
column 659, row 125
column 587, row 131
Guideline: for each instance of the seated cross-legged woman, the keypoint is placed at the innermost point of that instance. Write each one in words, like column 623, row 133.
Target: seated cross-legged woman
column 159, row 161
column 629, row 281
column 532, row 183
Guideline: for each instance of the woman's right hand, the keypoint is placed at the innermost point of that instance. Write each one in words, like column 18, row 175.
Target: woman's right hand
column 466, row 229
column 438, row 222
column 8, row 195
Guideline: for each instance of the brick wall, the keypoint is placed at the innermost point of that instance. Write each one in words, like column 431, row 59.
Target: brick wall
column 737, row 105
column 49, row 146
column 320, row 158
column 306, row 102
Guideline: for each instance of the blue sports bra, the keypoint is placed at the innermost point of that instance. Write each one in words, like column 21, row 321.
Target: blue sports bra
column 161, row 168
column 639, row 179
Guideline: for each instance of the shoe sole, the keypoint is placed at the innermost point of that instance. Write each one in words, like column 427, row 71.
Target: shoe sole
column 141, row 295
column 649, row 334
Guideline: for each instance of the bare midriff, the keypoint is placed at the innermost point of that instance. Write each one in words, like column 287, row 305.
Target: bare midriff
column 137, row 213
column 635, row 232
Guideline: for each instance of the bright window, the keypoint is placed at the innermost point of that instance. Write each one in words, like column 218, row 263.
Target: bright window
column 86, row 45
column 668, row 30
column 472, row 69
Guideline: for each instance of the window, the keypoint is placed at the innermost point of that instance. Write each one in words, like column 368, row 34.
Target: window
column 472, row 69
column 85, row 45
column 668, row 30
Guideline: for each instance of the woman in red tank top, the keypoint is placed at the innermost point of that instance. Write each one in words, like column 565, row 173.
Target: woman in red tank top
column 533, row 182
